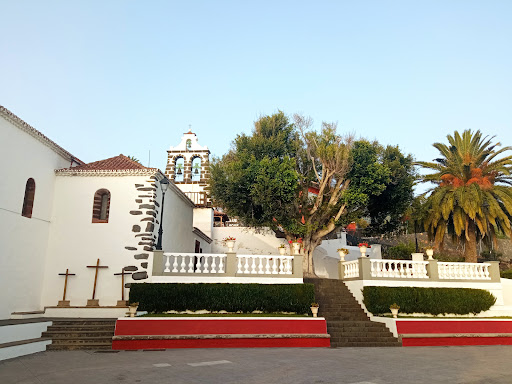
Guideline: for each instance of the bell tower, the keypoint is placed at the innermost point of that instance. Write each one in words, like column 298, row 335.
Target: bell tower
column 188, row 165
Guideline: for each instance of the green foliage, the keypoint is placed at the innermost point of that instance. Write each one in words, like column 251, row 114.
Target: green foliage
column 472, row 199
column 401, row 251
column 257, row 179
column 381, row 186
column 506, row 274
column 491, row 255
column 435, row 301
column 449, row 258
column 268, row 298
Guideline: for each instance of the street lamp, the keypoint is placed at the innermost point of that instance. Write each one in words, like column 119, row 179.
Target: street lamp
column 164, row 184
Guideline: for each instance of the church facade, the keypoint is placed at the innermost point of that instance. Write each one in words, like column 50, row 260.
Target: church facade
column 60, row 216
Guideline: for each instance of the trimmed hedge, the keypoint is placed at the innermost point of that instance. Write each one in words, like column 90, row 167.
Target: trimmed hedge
column 506, row 274
column 268, row 298
column 435, row 301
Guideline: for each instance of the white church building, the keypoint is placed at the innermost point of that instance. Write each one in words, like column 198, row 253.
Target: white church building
column 59, row 214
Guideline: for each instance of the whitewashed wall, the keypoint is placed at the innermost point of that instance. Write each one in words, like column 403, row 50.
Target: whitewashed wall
column 177, row 222
column 75, row 242
column 203, row 219
column 264, row 242
column 23, row 241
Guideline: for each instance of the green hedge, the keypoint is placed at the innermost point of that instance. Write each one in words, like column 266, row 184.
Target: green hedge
column 268, row 298
column 506, row 274
column 435, row 301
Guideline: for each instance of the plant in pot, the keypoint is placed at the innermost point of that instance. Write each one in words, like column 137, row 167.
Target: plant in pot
column 362, row 248
column 230, row 242
column 394, row 309
column 282, row 249
column 296, row 244
column 342, row 252
column 430, row 252
column 314, row 309
column 133, row 309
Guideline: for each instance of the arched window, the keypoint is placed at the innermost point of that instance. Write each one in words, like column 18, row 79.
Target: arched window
column 179, row 169
column 196, row 169
column 101, row 206
column 189, row 145
column 28, row 201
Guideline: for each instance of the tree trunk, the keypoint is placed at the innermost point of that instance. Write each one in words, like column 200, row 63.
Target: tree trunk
column 308, row 266
column 470, row 254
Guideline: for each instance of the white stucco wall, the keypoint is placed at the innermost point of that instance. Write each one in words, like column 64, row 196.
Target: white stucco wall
column 203, row 219
column 23, row 241
column 249, row 241
column 75, row 242
column 177, row 223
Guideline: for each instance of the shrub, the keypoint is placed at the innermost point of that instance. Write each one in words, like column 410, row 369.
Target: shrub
column 268, row 298
column 506, row 274
column 401, row 251
column 491, row 255
column 435, row 301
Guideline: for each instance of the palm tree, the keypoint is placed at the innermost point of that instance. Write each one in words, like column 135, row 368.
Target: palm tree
column 472, row 197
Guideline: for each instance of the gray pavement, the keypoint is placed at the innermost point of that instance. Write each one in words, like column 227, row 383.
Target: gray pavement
column 489, row 364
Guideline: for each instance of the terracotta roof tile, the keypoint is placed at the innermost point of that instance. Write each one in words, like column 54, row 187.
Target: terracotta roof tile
column 117, row 163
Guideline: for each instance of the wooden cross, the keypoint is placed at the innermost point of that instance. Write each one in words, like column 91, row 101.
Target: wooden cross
column 123, row 272
column 97, row 266
column 66, row 282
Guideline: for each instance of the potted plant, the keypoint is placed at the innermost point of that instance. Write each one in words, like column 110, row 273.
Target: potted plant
column 230, row 243
column 282, row 249
column 394, row 309
column 362, row 248
column 342, row 252
column 133, row 309
column 296, row 244
column 430, row 252
column 314, row 309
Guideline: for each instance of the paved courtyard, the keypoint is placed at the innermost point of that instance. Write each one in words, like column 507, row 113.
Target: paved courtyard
column 278, row 365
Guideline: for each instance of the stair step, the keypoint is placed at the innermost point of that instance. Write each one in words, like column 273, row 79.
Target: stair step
column 71, row 346
column 81, row 334
column 68, row 335
column 347, row 323
column 84, row 328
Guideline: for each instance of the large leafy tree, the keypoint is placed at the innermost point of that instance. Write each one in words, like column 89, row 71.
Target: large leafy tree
column 472, row 197
column 296, row 180
column 382, row 185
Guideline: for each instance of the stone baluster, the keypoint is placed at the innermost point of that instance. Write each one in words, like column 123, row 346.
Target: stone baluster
column 167, row 263
column 191, row 264
column 205, row 266
column 175, row 264
column 253, row 266
column 183, row 264
column 214, row 265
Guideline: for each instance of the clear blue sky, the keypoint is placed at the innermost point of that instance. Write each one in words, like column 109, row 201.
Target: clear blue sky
column 107, row 77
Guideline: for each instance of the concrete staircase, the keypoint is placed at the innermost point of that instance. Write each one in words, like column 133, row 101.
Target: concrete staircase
column 69, row 334
column 347, row 323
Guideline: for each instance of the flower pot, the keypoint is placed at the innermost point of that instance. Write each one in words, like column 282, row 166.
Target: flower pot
column 230, row 244
column 394, row 312
column 296, row 248
column 132, row 310
column 282, row 251
column 363, row 251
column 430, row 253
column 342, row 255
column 314, row 311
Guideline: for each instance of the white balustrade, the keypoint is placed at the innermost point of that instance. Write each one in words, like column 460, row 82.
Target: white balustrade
column 398, row 269
column 464, row 271
column 190, row 263
column 351, row 269
column 264, row 264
